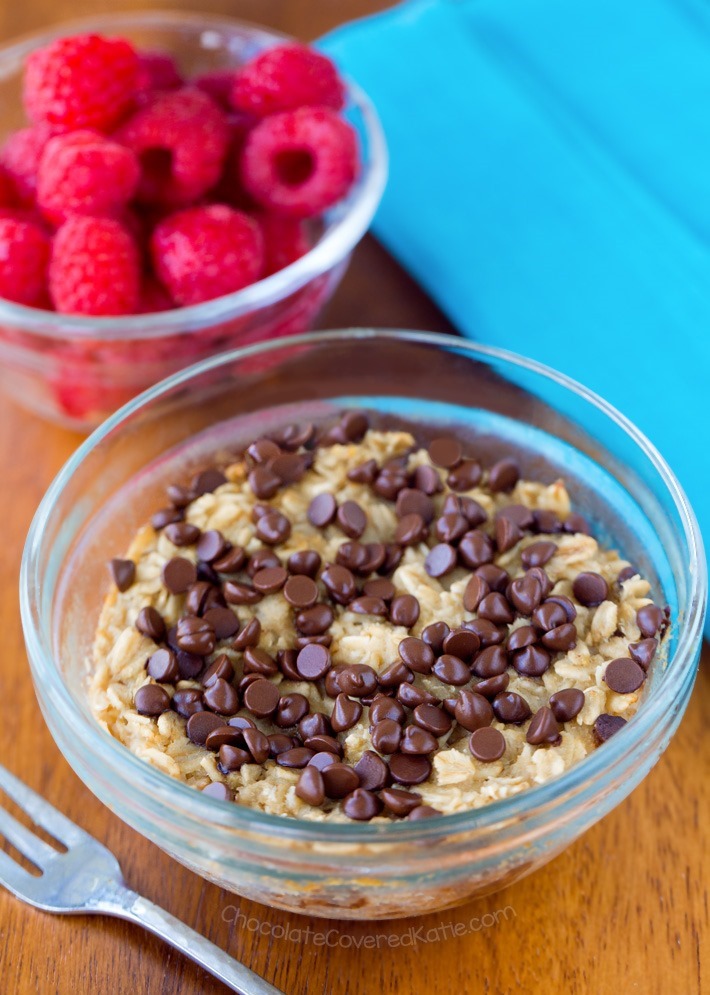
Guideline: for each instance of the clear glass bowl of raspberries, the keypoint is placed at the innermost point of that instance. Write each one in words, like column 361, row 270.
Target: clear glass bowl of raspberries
column 171, row 186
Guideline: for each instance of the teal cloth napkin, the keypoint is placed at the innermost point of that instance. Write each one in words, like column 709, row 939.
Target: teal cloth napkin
column 550, row 188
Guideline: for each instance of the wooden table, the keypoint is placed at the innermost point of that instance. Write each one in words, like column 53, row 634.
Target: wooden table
column 625, row 908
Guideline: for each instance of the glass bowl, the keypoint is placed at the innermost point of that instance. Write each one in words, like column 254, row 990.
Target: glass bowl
column 554, row 426
column 76, row 370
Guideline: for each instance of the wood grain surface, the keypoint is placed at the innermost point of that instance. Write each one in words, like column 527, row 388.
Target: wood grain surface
column 623, row 909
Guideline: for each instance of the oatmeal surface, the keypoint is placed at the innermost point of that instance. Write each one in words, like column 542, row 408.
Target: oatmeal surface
column 436, row 726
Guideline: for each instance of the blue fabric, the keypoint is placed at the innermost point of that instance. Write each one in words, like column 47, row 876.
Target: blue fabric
column 550, row 187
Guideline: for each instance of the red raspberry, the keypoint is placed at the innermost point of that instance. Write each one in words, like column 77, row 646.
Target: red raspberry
column 85, row 173
column 154, row 297
column 8, row 197
column 205, row 252
column 217, row 84
column 285, row 77
column 84, row 81
column 285, row 241
column 21, row 155
column 95, row 268
column 158, row 71
column 24, row 257
column 300, row 162
column 181, row 139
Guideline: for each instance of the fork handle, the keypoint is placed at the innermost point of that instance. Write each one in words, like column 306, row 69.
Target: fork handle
column 127, row 904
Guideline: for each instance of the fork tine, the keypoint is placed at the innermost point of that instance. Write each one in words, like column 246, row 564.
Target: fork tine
column 14, row 877
column 34, row 848
column 41, row 812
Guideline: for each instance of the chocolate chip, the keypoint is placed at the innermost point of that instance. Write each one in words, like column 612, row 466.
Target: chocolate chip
column 462, row 643
column 225, row 736
column 400, row 802
column 427, row 480
column 262, row 450
column 372, row 771
column 198, row 595
column 241, row 722
column 207, row 481
column 465, row 476
column 451, row 528
column 151, row 699
column 643, row 652
column 431, row 718
column 411, row 501
column 249, row 636
column 624, row 675
column 322, row 509
column 416, row 654
column 410, row 530
column 451, row 670
column 301, row 591
column 549, row 616
column 386, row 708
column 123, row 573
column 263, row 482
column 315, row 620
column 561, row 639
column 223, row 620
column 290, row 467
column 503, row 475
column 261, row 559
column 195, row 635
column 368, row 606
column 345, row 714
column 305, row 562
column 508, row 534
column 212, row 546
column 490, row 662
column 179, row 574
column 408, row 769
column 626, row 574
column 162, row 666
column 293, row 436
column 393, row 557
column 492, row 686
column 358, row 680
column 296, row 758
column 475, row 549
column 440, row 560
column 435, row 634
column 261, row 698
column 258, row 661
column 379, row 588
column 257, row 744
column 445, row 452
column 273, row 528
column 386, row 735
column 270, row 579
column 532, row 661
column 313, row 662
column 179, row 496
column 187, row 701
column 221, row 697
column 650, row 618
column 237, row 593
column 166, row 516
column 511, row 708
column 324, row 744
column 221, row 667
column 394, row 675
column 525, row 593
column 218, row 790
column 566, row 704
column 546, row 521
column 339, row 583
column 423, row 812
column 310, row 787
column 472, row 711
column 231, row 756
column 538, row 554
column 418, row 742
column 412, row 696
column 404, row 610
column 364, row 473
column 351, row 519
column 496, row 577
column 590, row 589
column 189, row 665
column 354, row 556
column 577, row 523
column 322, row 759
column 339, row 780
column 495, row 608
column 475, row 592
column 487, row 744
column 606, row 726
column 280, row 743
column 543, row 728
column 200, row 725
column 150, row 623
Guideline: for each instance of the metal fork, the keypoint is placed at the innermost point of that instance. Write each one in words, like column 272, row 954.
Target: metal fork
column 87, row 879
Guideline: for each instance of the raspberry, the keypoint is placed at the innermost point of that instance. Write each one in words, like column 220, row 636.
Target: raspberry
column 205, row 252
column 300, row 162
column 217, row 84
column 154, row 297
column 21, row 155
column 83, row 81
column 8, row 198
column 285, row 241
column 24, row 256
column 181, row 140
column 94, row 268
column 158, row 71
column 85, row 173
column 285, row 77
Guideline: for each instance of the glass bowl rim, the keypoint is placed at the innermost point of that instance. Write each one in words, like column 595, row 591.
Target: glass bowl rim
column 216, row 815
column 342, row 236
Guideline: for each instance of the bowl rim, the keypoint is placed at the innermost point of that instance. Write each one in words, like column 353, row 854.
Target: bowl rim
column 216, row 815
column 352, row 215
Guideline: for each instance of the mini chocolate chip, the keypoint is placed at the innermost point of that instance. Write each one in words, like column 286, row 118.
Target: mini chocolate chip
column 151, row 699
column 531, row 661
column 386, row 735
column 427, row 480
column 476, row 591
column 310, row 787
column 411, row 529
column 364, row 473
column 305, row 562
column 324, row 744
column 393, row 557
column 218, row 790
column 577, row 523
column 435, row 634
column 432, row 718
column 409, row 769
column 404, row 610
column 423, row 812
column 345, row 714
column 650, row 618
column 400, row 802
column 445, row 452
column 301, row 591
column 189, row 665
column 273, row 528
column 525, row 594
column 624, row 675
column 543, row 728
column 293, row 436
column 451, row 528
column 315, row 620
column 372, row 771
column 626, row 574
column 451, row 670
column 643, row 652
column 166, row 516
column 297, row 757
column 386, row 708
column 322, row 509
column 223, row 620
column 411, row 501
column 313, row 662
column 379, row 588
column 538, row 554
column 279, row 743
column 412, row 696
column 487, row 744
column 490, row 662
column 511, row 708
column 323, row 759
column 339, row 583
column 207, row 481
column 200, row 725
column 606, row 726
column 472, row 711
column 492, row 686
column 249, row 636
column 162, row 666
column 524, row 635
column 179, row 496
column 221, row 667
column 418, row 742
column 394, row 675
column 270, row 579
column 179, row 574
column 508, row 534
column 187, row 701
column 358, row 680
column 548, row 616
column 150, row 623
column 503, row 475
column 440, row 560
column 221, row 697
column 368, row 606
column 224, row 736
column 496, row 577
column 261, row 698
column 351, row 519
column 258, row 661
column 123, row 573
column 495, row 608
column 416, row 654
column 237, row 593
column 197, row 595
column 257, row 744
column 195, row 635
column 212, row 546
column 566, row 704
column 262, row 450
column 231, row 756
column 339, row 780
column 465, row 476
column 561, row 639
column 546, row 521
column 462, row 643
column 475, row 549
column 263, row 482
column 353, row 556
column 566, row 604
column 290, row 467
column 590, row 589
